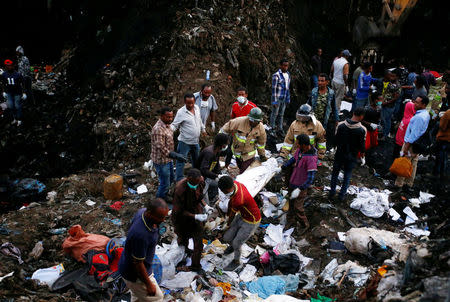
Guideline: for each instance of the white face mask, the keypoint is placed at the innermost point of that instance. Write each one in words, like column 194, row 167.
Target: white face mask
column 241, row 100
column 224, row 148
column 229, row 194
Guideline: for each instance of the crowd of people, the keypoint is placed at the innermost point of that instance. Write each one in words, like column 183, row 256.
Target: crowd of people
column 395, row 104
column 393, row 108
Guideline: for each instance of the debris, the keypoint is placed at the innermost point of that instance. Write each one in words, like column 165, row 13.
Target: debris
column 142, row 189
column 9, row 249
column 357, row 241
column 112, row 187
column 180, row 280
column 371, row 203
column 78, row 243
column 6, row 276
column 59, row 231
column 37, row 251
column 90, row 203
column 266, row 286
column 48, row 275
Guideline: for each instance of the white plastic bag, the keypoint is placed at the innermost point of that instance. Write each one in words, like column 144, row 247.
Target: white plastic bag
column 48, row 275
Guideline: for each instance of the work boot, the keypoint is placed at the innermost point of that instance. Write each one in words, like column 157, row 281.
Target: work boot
column 228, row 250
column 232, row 266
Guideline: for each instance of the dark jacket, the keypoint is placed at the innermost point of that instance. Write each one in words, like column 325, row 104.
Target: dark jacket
column 187, row 201
column 316, row 64
column 350, row 139
column 208, row 163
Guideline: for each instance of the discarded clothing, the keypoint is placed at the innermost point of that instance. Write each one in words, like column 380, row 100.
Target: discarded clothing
column 371, row 203
column 266, row 286
column 9, row 249
column 79, row 243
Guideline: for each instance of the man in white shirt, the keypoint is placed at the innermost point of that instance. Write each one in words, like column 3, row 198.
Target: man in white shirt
column 189, row 122
column 207, row 104
column 340, row 71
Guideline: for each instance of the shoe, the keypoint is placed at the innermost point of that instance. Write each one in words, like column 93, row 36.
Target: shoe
column 232, row 266
column 228, row 250
column 13, row 122
column 19, row 123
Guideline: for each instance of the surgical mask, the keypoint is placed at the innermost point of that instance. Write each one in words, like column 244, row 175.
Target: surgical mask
column 241, row 100
column 192, row 186
column 229, row 194
column 224, row 148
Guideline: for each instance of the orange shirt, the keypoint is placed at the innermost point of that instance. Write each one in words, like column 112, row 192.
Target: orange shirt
column 243, row 203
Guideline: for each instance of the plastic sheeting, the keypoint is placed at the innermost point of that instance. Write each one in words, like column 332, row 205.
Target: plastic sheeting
column 277, row 238
column 169, row 255
column 372, row 203
column 267, row 286
column 255, row 179
column 179, row 281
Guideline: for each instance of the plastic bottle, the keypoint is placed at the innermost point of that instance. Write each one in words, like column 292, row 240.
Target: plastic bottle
column 217, row 294
column 208, row 74
column 37, row 251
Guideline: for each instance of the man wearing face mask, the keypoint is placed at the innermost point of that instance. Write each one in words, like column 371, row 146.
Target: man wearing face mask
column 187, row 214
column 135, row 265
column 242, row 106
column 249, row 137
column 244, row 217
column 305, row 123
column 207, row 104
column 209, row 166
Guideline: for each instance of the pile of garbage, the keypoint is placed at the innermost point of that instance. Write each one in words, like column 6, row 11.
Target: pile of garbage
column 376, row 251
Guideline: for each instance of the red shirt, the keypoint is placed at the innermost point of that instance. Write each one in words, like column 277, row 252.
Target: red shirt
column 238, row 111
column 243, row 203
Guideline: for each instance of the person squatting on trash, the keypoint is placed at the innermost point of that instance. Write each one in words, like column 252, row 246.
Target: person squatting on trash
column 305, row 123
column 162, row 151
column 135, row 265
column 244, row 218
column 189, row 122
column 304, row 164
column 207, row 104
column 188, row 215
column 249, row 137
column 209, row 165
column 281, row 96
column 350, row 139
column 416, row 128
column 13, row 92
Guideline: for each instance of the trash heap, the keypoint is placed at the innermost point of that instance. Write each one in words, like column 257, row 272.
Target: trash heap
column 378, row 247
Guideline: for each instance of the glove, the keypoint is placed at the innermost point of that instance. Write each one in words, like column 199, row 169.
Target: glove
column 363, row 161
column 5, row 95
column 177, row 156
column 295, row 193
column 201, row 217
column 208, row 209
column 373, row 126
column 354, row 91
column 213, row 126
column 263, row 158
column 402, row 153
column 346, row 89
column 24, row 96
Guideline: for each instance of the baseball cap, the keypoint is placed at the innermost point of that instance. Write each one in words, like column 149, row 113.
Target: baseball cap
column 8, row 62
column 346, row 53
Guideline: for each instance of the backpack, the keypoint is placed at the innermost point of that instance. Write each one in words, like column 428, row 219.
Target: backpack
column 424, row 143
column 98, row 263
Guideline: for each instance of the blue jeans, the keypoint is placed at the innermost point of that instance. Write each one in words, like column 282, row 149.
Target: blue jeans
column 314, row 80
column 186, row 149
column 277, row 115
column 347, row 165
column 386, row 118
column 166, row 178
column 359, row 103
column 14, row 102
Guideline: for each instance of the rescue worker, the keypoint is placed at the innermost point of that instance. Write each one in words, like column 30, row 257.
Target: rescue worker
column 244, row 217
column 304, row 164
column 305, row 123
column 249, row 137
column 188, row 214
